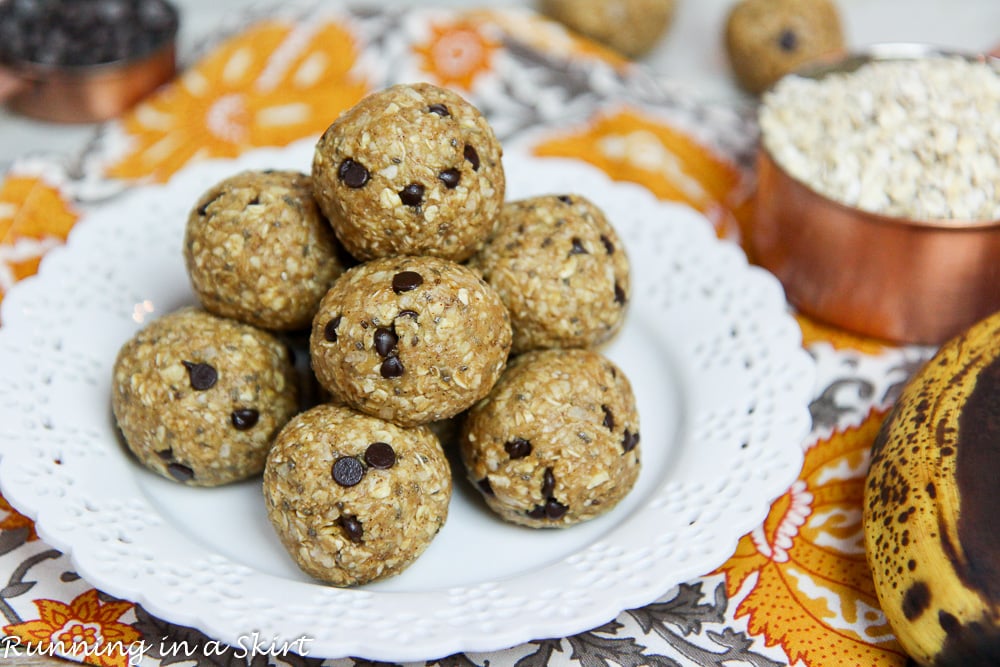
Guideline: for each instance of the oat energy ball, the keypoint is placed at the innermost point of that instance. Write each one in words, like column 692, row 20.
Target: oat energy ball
column 257, row 249
column 631, row 27
column 766, row 39
column 410, row 339
column 556, row 442
column 560, row 269
column 354, row 498
column 410, row 170
column 199, row 398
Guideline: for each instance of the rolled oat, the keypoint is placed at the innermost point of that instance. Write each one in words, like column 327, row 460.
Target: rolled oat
column 916, row 138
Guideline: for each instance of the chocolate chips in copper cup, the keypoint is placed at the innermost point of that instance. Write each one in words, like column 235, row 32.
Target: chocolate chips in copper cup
column 71, row 61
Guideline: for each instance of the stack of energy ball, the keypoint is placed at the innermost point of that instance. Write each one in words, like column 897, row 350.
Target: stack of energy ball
column 448, row 303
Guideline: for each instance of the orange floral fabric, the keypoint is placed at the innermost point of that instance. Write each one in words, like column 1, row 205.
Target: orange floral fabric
column 86, row 629
column 457, row 52
column 632, row 146
column 13, row 520
column 34, row 218
column 548, row 36
column 814, row 331
column 810, row 589
column 268, row 86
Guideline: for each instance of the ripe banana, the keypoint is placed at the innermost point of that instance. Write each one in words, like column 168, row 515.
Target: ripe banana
column 932, row 496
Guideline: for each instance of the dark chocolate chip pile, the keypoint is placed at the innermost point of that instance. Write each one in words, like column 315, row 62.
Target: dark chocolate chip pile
column 68, row 33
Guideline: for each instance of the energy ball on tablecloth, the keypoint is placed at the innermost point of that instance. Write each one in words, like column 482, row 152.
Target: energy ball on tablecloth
column 631, row 27
column 354, row 498
column 410, row 170
column 199, row 398
column 560, row 269
column 410, row 339
column 556, row 441
column 257, row 249
column 766, row 39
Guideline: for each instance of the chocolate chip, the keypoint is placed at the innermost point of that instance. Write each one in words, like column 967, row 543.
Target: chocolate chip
column 609, row 418
column 538, row 512
column 330, row 330
column 450, row 178
column 619, row 295
column 578, row 248
column 548, row 483
column 439, row 109
column 485, row 486
column 380, row 455
column 472, row 156
column 347, row 471
column 408, row 313
column 353, row 529
column 565, row 199
column 630, row 440
column 180, row 472
column 517, row 448
column 353, row 174
column 554, row 509
column 166, row 454
column 412, row 194
column 788, row 40
column 404, row 281
column 608, row 245
column 254, row 202
column 244, row 419
column 385, row 341
column 392, row 367
column 202, row 376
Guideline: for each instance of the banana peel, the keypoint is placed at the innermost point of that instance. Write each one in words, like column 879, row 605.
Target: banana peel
column 931, row 512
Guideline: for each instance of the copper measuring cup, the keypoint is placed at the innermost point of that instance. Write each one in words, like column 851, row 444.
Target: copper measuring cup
column 85, row 93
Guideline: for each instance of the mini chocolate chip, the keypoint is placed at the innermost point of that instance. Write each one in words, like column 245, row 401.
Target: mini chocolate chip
column 609, row 418
column 548, row 483
column 565, row 199
column 485, row 486
column 352, row 527
column 404, row 281
column 578, row 248
column 630, row 440
column 408, row 313
column 554, row 509
column 202, row 376
column 439, row 109
column 166, row 454
column 392, row 367
column 347, row 471
column 254, row 202
column 619, row 295
column 330, row 331
column 517, row 448
column 472, row 156
column 538, row 512
column 385, row 341
column 244, row 419
column 608, row 245
column 450, row 178
column 380, row 455
column 787, row 40
column 412, row 194
column 353, row 174
column 180, row 472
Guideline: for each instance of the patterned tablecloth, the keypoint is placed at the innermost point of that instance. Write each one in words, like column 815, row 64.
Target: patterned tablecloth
column 796, row 591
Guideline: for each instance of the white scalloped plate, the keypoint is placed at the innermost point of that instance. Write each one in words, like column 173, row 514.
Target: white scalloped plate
column 722, row 382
